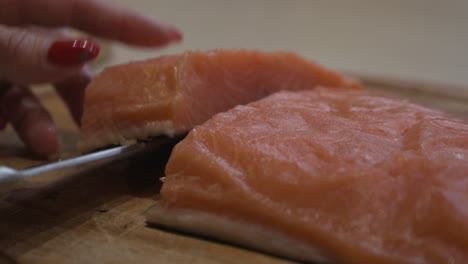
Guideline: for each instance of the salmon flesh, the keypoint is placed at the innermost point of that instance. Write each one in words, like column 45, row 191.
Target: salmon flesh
column 169, row 95
column 325, row 175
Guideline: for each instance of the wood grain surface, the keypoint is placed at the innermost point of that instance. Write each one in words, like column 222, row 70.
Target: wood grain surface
column 95, row 215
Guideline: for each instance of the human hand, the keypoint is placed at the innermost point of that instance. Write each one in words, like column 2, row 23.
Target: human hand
column 34, row 49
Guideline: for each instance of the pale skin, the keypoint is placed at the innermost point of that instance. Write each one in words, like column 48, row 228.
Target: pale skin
column 27, row 29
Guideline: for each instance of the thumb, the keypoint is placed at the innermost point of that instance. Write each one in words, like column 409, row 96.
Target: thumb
column 29, row 55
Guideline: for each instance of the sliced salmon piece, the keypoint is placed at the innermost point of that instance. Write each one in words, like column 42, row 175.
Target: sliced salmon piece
column 325, row 175
column 171, row 94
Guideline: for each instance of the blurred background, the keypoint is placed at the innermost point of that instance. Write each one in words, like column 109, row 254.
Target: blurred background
column 416, row 40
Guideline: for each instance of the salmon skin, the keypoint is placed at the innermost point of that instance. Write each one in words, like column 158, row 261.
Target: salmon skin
column 171, row 94
column 325, row 176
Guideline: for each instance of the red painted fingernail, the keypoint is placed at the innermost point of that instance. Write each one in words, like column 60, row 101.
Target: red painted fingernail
column 72, row 52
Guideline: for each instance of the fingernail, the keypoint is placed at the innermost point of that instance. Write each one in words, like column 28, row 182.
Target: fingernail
column 72, row 52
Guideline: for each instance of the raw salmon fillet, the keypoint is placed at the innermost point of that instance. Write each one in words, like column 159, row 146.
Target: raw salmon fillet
column 325, row 176
column 170, row 94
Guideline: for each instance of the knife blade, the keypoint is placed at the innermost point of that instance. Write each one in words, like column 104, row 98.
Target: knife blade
column 10, row 176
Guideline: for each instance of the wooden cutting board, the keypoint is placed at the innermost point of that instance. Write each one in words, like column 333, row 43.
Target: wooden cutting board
column 96, row 215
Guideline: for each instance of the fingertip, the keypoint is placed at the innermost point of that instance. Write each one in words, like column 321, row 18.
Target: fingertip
column 176, row 36
column 172, row 34
column 42, row 139
column 30, row 120
column 143, row 31
column 162, row 39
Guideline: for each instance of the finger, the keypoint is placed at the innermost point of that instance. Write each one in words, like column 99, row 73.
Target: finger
column 3, row 124
column 31, row 120
column 72, row 92
column 4, row 86
column 92, row 16
column 28, row 56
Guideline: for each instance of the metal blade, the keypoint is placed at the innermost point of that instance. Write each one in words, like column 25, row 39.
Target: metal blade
column 10, row 176
column 106, row 154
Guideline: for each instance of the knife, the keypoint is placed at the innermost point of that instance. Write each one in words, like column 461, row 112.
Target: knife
column 10, row 176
